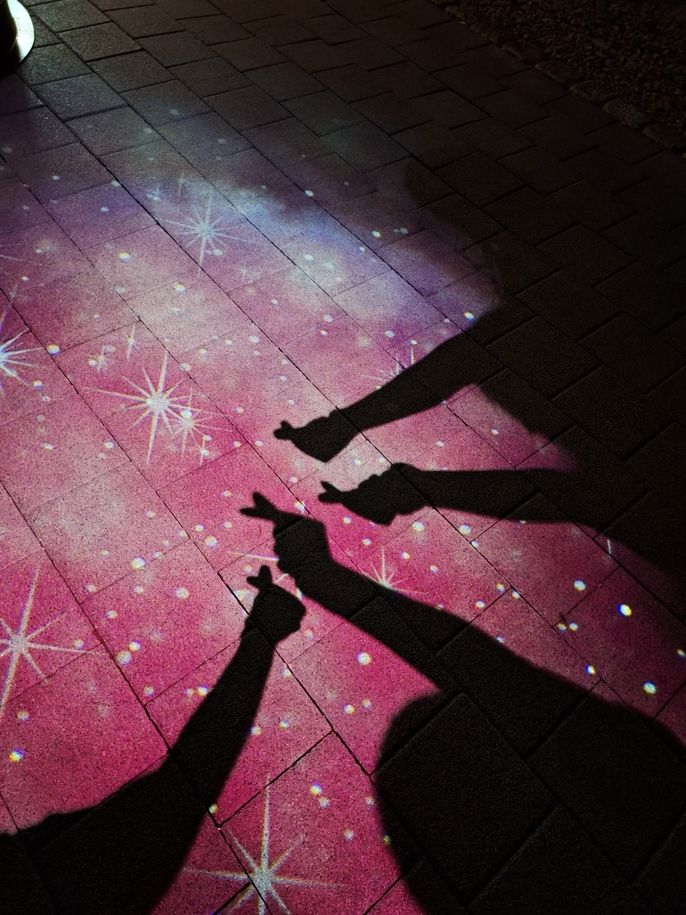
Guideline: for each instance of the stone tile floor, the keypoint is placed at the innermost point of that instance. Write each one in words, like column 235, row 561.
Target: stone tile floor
column 429, row 307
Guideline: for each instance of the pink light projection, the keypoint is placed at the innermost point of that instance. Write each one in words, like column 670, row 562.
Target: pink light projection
column 324, row 587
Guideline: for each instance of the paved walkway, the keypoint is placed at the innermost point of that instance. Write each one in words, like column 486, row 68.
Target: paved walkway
column 258, row 253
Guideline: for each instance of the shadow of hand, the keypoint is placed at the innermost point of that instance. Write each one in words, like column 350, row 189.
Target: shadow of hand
column 276, row 612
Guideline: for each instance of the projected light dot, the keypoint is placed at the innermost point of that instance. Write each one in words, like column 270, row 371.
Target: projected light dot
column 15, row 755
column 134, row 646
column 366, row 704
column 433, row 569
column 309, row 193
column 465, row 529
column 347, row 520
column 590, row 669
column 202, row 691
column 349, row 709
column 182, row 593
column 199, row 528
column 284, row 725
column 324, row 802
column 124, row 658
column 22, row 715
column 624, row 609
column 480, row 604
column 315, row 790
column 417, row 526
column 579, row 585
column 369, row 801
column 681, row 653
column 500, row 586
column 389, row 333
column 348, row 834
column 469, row 315
column 573, row 627
column 139, row 589
column 376, row 233
column 649, row 688
column 210, row 541
column 364, row 658
column 256, row 730
column 124, row 256
column 111, row 615
column 53, row 349
column 148, row 691
column 138, row 562
column 405, row 555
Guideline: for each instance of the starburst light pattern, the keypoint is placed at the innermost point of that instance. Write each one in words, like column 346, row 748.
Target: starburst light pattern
column 207, row 231
column 386, row 576
column 12, row 356
column 160, row 405
column 19, row 644
column 264, row 877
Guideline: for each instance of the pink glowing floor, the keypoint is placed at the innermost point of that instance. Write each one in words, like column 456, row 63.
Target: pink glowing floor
column 174, row 288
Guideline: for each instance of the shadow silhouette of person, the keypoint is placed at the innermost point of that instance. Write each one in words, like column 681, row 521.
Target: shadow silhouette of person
column 638, row 504
column 123, row 855
column 522, row 791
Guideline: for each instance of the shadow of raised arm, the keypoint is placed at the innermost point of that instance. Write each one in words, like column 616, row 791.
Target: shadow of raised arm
column 123, row 855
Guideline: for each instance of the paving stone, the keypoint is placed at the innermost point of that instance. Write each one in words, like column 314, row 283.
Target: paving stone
column 79, row 95
column 364, row 146
column 512, row 263
column 278, row 30
column 68, row 14
column 559, row 865
column 56, row 173
column 601, row 168
column 391, row 113
column 569, row 305
column 130, row 71
column 51, row 62
column 433, row 144
column 529, row 215
column 587, row 254
column 558, row 135
column 540, row 170
column 462, row 851
column 248, row 54
column 284, row 81
column 249, row 107
column 143, row 20
column 471, row 81
column 593, row 208
column 32, row 131
column 480, row 179
column 405, row 79
column 611, row 737
column 165, row 102
column 210, row 76
column 620, row 421
column 543, row 356
column 624, row 143
column 98, row 41
column 352, row 82
column 176, row 48
column 333, row 29
column 215, row 29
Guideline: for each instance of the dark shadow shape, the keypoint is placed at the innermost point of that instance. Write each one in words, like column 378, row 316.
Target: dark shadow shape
column 123, row 855
column 523, row 792
column 639, row 505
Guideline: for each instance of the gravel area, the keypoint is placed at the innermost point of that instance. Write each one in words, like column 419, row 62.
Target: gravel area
column 632, row 51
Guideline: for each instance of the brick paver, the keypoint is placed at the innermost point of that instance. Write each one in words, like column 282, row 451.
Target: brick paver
column 429, row 306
